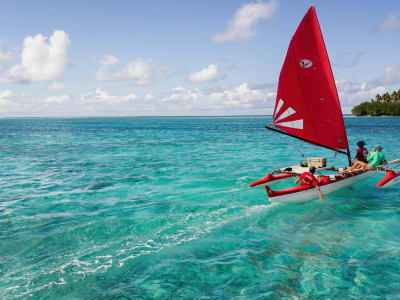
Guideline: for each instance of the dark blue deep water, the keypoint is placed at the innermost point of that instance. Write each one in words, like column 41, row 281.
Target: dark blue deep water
column 159, row 208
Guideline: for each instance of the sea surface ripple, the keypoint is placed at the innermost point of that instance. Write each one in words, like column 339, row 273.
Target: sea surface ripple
column 159, row 208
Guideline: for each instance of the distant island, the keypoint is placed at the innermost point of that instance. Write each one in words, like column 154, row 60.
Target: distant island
column 385, row 105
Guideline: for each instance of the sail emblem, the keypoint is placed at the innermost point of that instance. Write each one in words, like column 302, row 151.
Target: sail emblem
column 278, row 118
column 305, row 63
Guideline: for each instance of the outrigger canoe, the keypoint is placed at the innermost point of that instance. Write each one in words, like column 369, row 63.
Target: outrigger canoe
column 307, row 107
column 328, row 183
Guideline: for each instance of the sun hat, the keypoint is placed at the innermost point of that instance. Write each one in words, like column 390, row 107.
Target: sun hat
column 361, row 143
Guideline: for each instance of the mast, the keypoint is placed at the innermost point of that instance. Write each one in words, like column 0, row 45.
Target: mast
column 348, row 155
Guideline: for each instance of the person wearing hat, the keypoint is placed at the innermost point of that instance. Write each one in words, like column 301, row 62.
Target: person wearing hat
column 375, row 158
column 308, row 179
column 361, row 152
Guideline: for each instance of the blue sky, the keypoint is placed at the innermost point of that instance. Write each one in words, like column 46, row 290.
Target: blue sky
column 144, row 58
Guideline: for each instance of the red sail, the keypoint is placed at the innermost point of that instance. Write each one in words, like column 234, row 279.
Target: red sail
column 307, row 104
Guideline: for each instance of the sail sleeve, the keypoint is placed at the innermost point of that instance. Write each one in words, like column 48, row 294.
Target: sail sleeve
column 307, row 104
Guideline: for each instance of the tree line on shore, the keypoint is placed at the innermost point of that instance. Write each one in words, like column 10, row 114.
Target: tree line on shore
column 383, row 105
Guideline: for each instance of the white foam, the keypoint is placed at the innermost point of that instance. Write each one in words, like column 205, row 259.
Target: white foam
column 258, row 208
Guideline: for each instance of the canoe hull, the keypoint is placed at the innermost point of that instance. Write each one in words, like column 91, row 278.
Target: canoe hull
column 303, row 195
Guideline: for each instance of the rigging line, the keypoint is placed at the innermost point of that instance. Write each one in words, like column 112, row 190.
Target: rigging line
column 396, row 166
column 289, row 142
column 305, row 140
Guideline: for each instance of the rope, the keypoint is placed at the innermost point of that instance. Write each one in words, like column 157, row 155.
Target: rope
column 288, row 141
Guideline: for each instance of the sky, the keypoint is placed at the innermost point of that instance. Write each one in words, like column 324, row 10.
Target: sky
column 182, row 58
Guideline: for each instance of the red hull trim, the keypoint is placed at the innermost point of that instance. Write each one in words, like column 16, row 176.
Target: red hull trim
column 389, row 176
column 269, row 178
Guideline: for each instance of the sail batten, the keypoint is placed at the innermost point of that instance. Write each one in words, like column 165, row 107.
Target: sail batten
column 307, row 104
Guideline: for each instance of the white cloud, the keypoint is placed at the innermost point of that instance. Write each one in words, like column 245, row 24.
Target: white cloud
column 148, row 97
column 242, row 25
column 390, row 76
column 41, row 60
column 205, row 75
column 391, row 23
column 103, row 96
column 23, row 104
column 233, row 100
column 56, row 86
column 11, row 103
column 107, row 61
column 352, row 93
column 28, row 103
column 6, row 95
column 138, row 70
column 6, row 100
column 57, row 99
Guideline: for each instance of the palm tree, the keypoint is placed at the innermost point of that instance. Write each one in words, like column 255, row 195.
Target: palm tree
column 386, row 97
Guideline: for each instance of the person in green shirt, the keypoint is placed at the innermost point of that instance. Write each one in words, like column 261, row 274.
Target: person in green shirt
column 375, row 158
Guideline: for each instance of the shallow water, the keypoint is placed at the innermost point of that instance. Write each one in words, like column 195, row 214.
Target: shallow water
column 160, row 208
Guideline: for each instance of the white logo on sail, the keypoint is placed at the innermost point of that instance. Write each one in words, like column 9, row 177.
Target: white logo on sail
column 277, row 120
column 305, row 63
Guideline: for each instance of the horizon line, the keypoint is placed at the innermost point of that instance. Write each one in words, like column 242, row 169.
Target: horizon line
column 155, row 116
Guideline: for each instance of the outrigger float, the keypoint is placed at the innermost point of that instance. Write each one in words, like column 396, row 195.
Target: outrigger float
column 307, row 107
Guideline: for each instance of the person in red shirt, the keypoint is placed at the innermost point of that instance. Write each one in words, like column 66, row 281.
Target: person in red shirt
column 308, row 179
column 361, row 152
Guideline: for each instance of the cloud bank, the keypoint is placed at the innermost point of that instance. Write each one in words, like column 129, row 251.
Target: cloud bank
column 178, row 101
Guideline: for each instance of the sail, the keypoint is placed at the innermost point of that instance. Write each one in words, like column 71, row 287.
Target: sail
column 307, row 104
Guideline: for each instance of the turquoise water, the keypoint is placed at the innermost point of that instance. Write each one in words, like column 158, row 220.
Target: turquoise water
column 159, row 208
